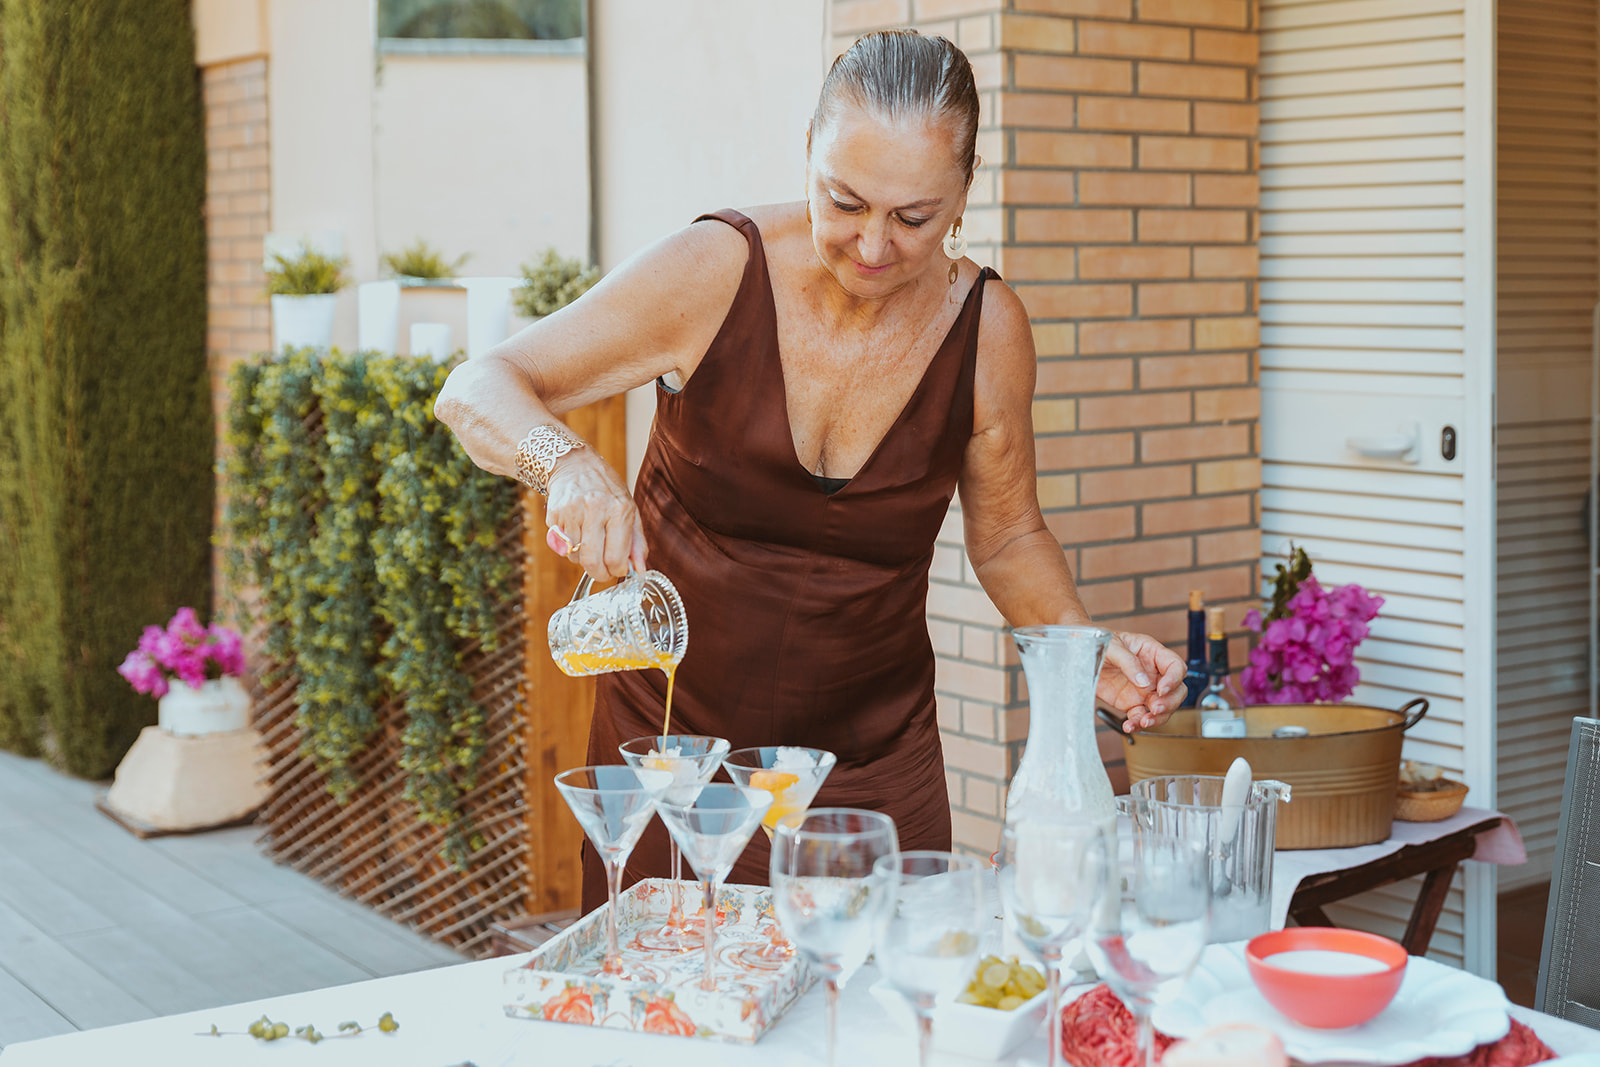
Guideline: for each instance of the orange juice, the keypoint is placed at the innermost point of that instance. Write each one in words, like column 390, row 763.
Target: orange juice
column 777, row 783
column 583, row 663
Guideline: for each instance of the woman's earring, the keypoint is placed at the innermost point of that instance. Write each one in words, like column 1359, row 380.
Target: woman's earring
column 955, row 246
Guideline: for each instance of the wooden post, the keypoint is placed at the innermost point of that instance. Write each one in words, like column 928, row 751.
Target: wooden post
column 558, row 707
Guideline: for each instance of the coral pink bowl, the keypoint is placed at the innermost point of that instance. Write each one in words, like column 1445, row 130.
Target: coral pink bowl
column 1321, row 1000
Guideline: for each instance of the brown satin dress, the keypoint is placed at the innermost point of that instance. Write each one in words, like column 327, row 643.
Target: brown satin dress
column 806, row 608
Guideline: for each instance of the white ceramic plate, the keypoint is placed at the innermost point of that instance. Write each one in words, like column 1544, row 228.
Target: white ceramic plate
column 966, row 1029
column 1439, row 1011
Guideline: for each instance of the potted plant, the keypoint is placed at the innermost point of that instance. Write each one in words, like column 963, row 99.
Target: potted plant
column 551, row 283
column 303, row 292
column 1308, row 640
column 193, row 671
column 420, row 264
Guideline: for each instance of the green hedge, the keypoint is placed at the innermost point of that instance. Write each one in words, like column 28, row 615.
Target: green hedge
column 106, row 442
column 371, row 539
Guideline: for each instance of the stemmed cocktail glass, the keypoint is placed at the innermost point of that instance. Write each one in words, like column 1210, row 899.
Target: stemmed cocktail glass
column 928, row 942
column 712, row 829
column 1150, row 929
column 691, row 759
column 1052, row 879
column 613, row 805
column 792, row 775
column 825, row 893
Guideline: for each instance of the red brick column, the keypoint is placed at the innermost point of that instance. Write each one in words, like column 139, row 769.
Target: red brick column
column 234, row 95
column 1118, row 197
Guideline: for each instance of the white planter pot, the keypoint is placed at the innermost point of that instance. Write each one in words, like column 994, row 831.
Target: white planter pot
column 217, row 707
column 303, row 321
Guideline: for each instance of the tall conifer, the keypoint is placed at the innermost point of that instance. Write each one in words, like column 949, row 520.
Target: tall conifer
column 105, row 414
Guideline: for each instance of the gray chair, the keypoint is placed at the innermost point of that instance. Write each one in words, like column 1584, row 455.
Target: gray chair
column 1569, row 964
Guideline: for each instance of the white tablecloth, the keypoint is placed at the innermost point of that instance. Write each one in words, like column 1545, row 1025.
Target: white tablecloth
column 1503, row 845
column 452, row 1015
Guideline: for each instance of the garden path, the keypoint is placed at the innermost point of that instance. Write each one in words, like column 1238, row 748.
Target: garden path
column 98, row 927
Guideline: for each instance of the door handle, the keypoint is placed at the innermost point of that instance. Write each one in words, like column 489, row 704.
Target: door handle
column 1403, row 446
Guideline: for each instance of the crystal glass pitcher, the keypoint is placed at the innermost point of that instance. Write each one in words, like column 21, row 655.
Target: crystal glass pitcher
column 637, row 623
column 1061, row 772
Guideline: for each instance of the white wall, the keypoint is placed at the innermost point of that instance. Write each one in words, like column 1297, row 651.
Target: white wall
column 486, row 154
column 699, row 106
column 319, row 89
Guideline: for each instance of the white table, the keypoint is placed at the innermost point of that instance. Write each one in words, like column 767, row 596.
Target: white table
column 452, row 1015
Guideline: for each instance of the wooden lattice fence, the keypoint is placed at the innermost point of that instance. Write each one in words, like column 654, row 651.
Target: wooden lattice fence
column 373, row 848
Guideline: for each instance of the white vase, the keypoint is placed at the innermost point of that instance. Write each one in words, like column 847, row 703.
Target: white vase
column 218, row 706
column 303, row 321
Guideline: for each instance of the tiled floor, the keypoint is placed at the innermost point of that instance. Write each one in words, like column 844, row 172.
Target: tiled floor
column 98, row 927
column 1521, row 925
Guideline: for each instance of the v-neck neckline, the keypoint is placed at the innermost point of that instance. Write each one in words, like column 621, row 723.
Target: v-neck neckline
column 783, row 381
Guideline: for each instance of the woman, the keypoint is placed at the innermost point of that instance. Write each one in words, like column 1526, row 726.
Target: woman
column 828, row 373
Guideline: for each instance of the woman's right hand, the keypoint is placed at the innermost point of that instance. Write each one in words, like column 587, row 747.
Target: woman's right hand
column 594, row 511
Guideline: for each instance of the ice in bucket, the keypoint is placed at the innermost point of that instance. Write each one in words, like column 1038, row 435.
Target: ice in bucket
column 1239, row 842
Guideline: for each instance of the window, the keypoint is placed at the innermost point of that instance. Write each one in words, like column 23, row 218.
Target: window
column 539, row 20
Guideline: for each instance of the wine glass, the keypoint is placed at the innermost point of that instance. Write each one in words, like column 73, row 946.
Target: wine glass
column 692, row 759
column 1150, row 929
column 928, row 941
column 825, row 893
column 792, row 775
column 1052, row 878
column 613, row 804
column 712, row 829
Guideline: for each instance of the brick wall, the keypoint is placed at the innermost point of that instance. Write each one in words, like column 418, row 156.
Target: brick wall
column 234, row 95
column 1118, row 197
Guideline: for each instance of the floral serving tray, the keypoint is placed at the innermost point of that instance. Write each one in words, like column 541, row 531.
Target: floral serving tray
column 560, row 982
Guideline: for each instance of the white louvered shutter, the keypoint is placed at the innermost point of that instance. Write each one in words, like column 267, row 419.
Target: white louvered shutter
column 1376, row 313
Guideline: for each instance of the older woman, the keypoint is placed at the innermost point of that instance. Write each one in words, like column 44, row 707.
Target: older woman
column 828, row 374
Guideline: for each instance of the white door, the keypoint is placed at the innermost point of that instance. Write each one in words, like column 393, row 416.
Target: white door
column 1377, row 329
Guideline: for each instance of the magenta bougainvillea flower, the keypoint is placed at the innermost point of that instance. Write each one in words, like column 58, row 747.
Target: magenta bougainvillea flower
column 184, row 651
column 1309, row 653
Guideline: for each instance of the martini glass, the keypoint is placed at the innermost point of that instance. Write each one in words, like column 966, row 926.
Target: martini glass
column 792, row 775
column 692, row 760
column 712, row 830
column 613, row 804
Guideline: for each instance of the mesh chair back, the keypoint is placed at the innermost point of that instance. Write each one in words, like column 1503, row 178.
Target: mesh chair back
column 1569, row 965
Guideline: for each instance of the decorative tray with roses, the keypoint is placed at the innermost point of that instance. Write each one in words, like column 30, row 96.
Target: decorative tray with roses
column 561, row 981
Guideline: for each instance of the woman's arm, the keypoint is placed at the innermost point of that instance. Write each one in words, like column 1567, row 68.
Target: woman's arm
column 656, row 313
column 1017, row 559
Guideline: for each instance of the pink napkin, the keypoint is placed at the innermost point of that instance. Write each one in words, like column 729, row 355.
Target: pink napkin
column 1098, row 1031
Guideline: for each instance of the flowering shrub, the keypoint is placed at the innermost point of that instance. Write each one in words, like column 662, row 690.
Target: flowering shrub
column 184, row 651
column 1308, row 640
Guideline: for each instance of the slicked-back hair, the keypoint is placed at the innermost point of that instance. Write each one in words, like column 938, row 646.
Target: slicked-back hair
column 902, row 74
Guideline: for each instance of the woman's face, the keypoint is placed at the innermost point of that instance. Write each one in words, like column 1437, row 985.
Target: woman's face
column 882, row 196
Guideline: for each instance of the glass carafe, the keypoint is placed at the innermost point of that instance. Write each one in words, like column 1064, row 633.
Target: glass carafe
column 636, row 624
column 1061, row 772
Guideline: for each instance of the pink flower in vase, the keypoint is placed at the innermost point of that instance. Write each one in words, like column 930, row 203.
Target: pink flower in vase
column 1308, row 653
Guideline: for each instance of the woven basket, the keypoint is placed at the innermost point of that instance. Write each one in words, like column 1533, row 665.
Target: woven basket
column 1431, row 806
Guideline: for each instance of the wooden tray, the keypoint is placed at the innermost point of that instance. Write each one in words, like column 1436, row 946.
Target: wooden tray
column 560, row 981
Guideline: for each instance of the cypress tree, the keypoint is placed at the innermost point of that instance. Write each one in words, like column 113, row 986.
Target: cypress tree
column 105, row 414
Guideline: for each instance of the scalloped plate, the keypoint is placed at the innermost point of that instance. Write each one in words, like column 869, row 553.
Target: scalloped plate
column 1439, row 1011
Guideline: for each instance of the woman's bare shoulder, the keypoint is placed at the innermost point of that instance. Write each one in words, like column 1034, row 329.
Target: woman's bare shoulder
column 1005, row 336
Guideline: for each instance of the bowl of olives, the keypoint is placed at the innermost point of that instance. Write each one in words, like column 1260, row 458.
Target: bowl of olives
column 1001, row 1007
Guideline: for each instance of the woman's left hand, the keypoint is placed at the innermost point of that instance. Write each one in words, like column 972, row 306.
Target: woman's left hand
column 1143, row 679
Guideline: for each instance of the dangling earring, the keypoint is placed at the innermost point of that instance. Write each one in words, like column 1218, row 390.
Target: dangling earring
column 955, row 246
column 808, row 211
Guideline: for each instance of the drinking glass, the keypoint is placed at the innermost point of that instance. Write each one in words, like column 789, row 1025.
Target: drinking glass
column 928, row 940
column 825, row 893
column 1052, row 878
column 792, row 775
column 712, row 829
column 692, row 760
column 1150, row 929
column 613, row 804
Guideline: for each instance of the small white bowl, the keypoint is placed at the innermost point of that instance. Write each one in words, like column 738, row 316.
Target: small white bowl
column 967, row 1029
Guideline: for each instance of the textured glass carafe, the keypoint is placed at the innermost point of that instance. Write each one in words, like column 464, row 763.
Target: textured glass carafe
column 1061, row 772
